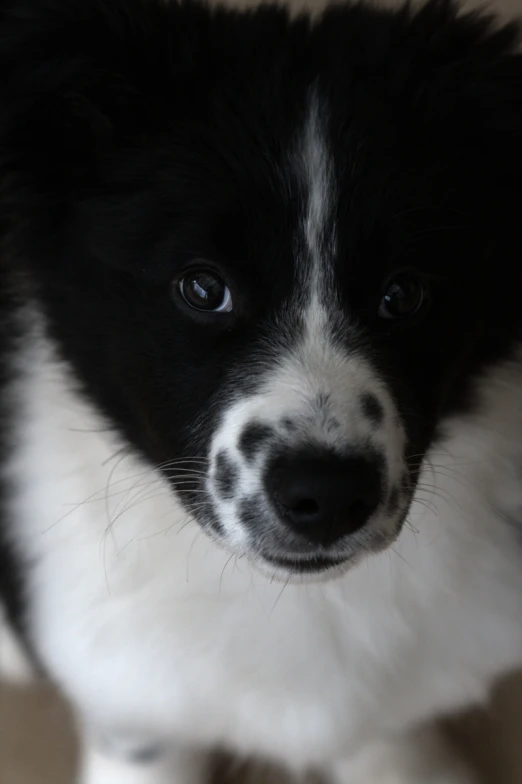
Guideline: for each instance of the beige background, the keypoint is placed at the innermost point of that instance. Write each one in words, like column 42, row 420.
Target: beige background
column 37, row 739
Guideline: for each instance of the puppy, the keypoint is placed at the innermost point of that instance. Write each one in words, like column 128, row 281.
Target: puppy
column 260, row 378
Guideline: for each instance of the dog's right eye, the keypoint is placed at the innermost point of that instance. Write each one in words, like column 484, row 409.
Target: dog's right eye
column 404, row 296
column 204, row 290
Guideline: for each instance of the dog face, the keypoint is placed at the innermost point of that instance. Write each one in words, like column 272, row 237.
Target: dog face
column 276, row 254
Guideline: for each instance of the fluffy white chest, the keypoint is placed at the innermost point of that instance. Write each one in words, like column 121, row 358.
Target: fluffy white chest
column 150, row 627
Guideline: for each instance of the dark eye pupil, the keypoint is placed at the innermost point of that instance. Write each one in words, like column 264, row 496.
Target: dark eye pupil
column 203, row 290
column 403, row 297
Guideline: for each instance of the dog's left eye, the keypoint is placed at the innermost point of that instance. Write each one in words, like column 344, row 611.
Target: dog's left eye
column 404, row 296
column 206, row 291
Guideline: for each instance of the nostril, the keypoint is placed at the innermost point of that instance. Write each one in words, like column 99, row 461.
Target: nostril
column 292, row 494
column 301, row 513
column 306, row 507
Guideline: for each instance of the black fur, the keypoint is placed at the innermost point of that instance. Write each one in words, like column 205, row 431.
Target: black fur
column 253, row 438
column 226, row 475
column 372, row 408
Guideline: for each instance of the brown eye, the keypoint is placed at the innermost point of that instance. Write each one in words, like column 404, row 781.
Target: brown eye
column 206, row 291
column 404, row 296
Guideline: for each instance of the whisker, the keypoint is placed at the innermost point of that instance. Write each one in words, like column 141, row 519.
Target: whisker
column 399, row 555
column 429, row 505
column 124, row 449
column 198, row 533
column 279, row 595
column 223, row 571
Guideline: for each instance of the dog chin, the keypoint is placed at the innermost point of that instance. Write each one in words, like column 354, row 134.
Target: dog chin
column 312, row 567
column 320, row 567
column 287, row 569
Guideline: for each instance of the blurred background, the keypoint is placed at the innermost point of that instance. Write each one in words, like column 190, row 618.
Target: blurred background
column 37, row 743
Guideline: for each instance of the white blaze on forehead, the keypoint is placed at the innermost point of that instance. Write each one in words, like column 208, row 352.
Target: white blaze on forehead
column 317, row 243
column 319, row 376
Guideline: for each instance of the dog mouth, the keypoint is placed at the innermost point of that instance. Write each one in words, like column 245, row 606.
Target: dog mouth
column 298, row 565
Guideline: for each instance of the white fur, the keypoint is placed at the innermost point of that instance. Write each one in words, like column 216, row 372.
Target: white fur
column 150, row 628
column 315, row 171
column 316, row 241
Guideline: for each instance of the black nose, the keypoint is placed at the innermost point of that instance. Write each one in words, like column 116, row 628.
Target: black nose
column 327, row 497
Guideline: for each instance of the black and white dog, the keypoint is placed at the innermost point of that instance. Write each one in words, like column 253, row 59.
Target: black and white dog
column 261, row 378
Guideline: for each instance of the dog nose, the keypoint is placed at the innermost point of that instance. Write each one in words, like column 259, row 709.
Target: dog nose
column 325, row 498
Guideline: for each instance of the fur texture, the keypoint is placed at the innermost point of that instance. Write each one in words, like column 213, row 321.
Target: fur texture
column 260, row 366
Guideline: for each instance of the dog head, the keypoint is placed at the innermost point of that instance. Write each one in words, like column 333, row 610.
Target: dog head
column 275, row 252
